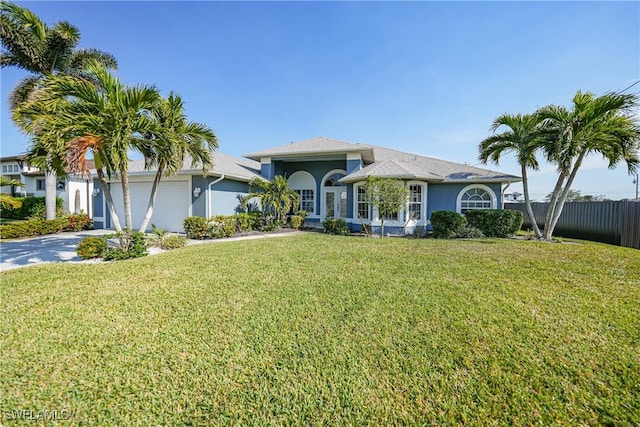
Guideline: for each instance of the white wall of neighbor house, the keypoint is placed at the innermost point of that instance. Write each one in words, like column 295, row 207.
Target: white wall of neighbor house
column 82, row 187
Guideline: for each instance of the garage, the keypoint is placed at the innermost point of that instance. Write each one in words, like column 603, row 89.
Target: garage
column 172, row 203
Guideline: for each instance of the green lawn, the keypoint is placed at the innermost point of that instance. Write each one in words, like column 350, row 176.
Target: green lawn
column 327, row 330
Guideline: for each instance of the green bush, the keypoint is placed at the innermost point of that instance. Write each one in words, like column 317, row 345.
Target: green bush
column 447, row 224
column 336, row 226
column 469, row 232
column 247, row 221
column 78, row 222
column 132, row 245
column 222, row 226
column 495, row 223
column 296, row 221
column 167, row 241
column 32, row 207
column 92, row 247
column 197, row 227
column 33, row 227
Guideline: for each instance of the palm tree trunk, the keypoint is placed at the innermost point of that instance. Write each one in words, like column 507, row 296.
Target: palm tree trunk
column 565, row 193
column 126, row 200
column 527, row 203
column 50, row 194
column 557, row 190
column 107, row 197
column 152, row 201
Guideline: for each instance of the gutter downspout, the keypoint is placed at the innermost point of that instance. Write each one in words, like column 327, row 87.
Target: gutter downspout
column 502, row 195
column 211, row 184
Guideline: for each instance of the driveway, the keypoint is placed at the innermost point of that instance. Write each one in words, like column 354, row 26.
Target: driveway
column 38, row 250
column 62, row 247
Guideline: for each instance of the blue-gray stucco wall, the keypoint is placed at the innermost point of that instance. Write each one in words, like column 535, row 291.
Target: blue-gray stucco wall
column 318, row 170
column 443, row 197
column 224, row 197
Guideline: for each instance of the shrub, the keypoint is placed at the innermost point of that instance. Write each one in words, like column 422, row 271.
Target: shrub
column 167, row 241
column 34, row 227
column 247, row 221
column 222, row 226
column 495, row 223
column 197, row 227
column 132, row 245
column 469, row 232
column 296, row 221
column 420, row 231
column 78, row 223
column 92, row 247
column 32, row 207
column 447, row 224
column 336, row 226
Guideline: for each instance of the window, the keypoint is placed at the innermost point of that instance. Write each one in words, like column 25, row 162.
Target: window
column 303, row 183
column 307, row 201
column 4, row 168
column 415, row 202
column 60, row 184
column 332, row 180
column 363, row 203
column 40, row 186
column 16, row 168
column 476, row 197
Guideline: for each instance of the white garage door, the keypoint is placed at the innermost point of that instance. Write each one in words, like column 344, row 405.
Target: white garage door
column 172, row 203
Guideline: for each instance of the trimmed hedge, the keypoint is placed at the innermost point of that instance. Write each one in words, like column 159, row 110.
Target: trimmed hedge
column 249, row 221
column 132, row 245
column 32, row 207
column 447, row 224
column 296, row 221
column 336, row 226
column 495, row 223
column 92, row 247
column 40, row 227
column 221, row 226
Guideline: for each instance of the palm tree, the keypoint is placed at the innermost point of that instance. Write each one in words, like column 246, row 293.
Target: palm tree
column 604, row 125
column 175, row 141
column 107, row 119
column 522, row 136
column 29, row 44
column 274, row 196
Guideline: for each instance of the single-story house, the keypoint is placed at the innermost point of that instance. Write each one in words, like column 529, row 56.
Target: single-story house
column 327, row 174
column 75, row 190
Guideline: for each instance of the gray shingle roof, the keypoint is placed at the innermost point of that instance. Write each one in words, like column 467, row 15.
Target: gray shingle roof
column 223, row 164
column 393, row 163
column 317, row 145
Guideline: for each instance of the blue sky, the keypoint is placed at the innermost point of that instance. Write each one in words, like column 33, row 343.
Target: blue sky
column 423, row 77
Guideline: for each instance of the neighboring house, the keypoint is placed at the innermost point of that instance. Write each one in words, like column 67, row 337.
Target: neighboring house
column 514, row 197
column 327, row 174
column 19, row 168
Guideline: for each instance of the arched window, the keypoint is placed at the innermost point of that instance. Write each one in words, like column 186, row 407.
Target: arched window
column 332, row 180
column 304, row 184
column 476, row 196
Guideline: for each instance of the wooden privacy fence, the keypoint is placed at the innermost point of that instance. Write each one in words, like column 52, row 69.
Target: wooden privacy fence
column 617, row 223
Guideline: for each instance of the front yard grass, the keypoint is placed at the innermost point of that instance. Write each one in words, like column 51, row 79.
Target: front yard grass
column 326, row 330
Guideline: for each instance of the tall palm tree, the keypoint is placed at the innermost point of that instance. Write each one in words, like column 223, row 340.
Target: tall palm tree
column 107, row 119
column 28, row 43
column 175, row 141
column 604, row 125
column 522, row 136
column 275, row 195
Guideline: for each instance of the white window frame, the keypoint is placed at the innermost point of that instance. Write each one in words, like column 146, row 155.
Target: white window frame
column 310, row 185
column 324, row 190
column 4, row 168
column 423, row 203
column 44, row 185
column 356, row 202
column 492, row 194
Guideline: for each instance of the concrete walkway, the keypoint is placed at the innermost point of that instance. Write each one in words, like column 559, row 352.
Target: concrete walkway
column 61, row 247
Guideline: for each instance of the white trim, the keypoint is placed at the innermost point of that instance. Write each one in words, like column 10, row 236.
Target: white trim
column 354, row 208
column 190, row 185
column 354, row 156
column 306, row 181
column 324, row 190
column 423, row 205
column 209, row 208
column 494, row 200
column 265, row 160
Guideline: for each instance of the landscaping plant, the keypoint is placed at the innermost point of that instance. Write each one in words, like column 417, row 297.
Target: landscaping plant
column 92, row 247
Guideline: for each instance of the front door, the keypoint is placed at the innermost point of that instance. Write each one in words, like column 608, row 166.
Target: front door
column 335, row 202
